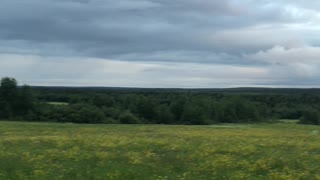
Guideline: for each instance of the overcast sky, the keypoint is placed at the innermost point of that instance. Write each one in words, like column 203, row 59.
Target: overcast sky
column 161, row 43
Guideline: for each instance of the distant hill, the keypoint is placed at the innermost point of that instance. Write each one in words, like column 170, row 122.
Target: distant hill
column 239, row 90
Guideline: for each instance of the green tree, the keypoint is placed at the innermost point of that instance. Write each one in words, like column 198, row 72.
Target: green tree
column 8, row 97
column 164, row 115
column 194, row 114
column 146, row 108
column 310, row 116
column 25, row 101
column 8, row 89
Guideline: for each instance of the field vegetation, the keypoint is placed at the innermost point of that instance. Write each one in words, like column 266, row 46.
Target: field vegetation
column 228, row 151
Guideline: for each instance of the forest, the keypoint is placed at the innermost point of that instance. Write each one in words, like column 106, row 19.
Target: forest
column 156, row 106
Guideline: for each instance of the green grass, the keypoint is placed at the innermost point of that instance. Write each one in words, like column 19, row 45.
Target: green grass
column 293, row 121
column 58, row 103
column 73, row 151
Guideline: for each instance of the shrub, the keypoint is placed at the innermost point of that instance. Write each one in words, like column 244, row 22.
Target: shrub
column 128, row 118
column 310, row 117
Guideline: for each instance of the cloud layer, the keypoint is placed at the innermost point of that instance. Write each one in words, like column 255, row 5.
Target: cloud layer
column 153, row 43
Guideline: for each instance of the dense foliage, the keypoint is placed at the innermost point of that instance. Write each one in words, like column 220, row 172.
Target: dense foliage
column 156, row 106
column 14, row 101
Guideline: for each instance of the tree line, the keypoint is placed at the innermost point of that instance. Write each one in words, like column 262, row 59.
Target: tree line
column 134, row 106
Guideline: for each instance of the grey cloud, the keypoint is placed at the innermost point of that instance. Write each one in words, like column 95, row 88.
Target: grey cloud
column 103, row 28
column 279, row 36
column 282, row 55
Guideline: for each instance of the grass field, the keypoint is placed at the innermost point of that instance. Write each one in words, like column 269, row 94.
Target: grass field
column 73, row 151
column 58, row 103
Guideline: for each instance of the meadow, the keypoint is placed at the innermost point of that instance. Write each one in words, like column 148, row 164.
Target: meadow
column 229, row 151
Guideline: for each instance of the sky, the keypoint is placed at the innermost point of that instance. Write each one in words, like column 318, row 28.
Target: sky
column 161, row 43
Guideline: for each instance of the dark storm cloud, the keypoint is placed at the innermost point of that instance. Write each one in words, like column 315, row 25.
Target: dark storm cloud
column 104, row 28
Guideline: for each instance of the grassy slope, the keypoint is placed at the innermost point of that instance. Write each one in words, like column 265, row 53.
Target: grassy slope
column 71, row 151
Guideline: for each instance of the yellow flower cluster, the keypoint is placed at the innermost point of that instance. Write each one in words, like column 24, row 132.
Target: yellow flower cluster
column 71, row 151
